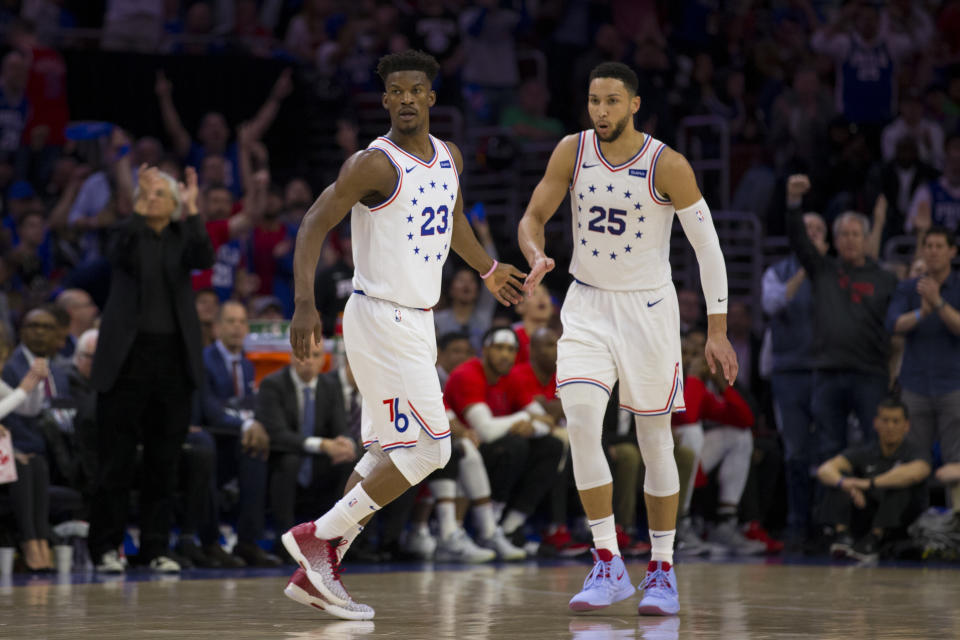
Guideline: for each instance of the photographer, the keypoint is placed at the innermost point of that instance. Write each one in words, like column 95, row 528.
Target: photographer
column 147, row 364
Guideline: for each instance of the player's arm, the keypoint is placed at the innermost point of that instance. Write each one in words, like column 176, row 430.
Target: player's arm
column 503, row 280
column 675, row 179
column 366, row 173
column 547, row 196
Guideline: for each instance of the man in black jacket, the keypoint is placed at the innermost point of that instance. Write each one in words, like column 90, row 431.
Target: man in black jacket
column 147, row 363
column 851, row 346
column 311, row 452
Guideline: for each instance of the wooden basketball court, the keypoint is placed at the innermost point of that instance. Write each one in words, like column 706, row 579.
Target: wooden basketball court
column 729, row 601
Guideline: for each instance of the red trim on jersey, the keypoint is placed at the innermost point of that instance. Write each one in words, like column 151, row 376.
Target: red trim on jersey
column 565, row 381
column 650, row 177
column 410, row 155
column 423, row 423
column 396, row 190
column 621, row 167
column 394, row 445
column 576, row 166
column 670, row 398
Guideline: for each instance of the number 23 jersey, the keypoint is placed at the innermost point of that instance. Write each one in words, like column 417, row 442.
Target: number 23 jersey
column 400, row 244
column 621, row 225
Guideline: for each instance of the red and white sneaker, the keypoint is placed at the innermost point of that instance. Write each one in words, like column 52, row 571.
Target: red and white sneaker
column 318, row 559
column 561, row 543
column 300, row 589
column 754, row 531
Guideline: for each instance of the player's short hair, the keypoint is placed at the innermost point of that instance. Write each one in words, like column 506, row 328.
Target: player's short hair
column 618, row 71
column 408, row 60
column 893, row 402
column 449, row 338
column 940, row 230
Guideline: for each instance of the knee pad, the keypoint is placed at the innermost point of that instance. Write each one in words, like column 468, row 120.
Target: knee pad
column 371, row 458
column 655, row 440
column 419, row 461
column 584, row 406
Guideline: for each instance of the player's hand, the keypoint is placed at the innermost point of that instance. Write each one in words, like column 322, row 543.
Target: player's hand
column 719, row 353
column 255, row 441
column 540, row 267
column 522, row 428
column 306, row 329
column 505, row 284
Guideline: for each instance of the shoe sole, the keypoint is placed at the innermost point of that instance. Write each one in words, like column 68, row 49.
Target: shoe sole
column 290, row 544
column 654, row 610
column 300, row 596
column 586, row 606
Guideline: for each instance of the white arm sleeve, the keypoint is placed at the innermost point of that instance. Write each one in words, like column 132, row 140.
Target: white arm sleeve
column 12, row 398
column 698, row 226
column 481, row 419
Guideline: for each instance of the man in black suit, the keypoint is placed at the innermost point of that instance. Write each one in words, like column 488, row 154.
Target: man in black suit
column 147, row 364
column 311, row 452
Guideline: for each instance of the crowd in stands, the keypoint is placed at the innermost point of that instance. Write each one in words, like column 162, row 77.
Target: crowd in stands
column 843, row 122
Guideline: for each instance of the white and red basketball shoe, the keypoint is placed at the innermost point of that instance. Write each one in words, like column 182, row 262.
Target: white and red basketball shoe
column 319, row 560
column 300, row 589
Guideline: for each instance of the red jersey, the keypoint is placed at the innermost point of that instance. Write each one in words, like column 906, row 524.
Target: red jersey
column 729, row 408
column 47, row 93
column 523, row 346
column 468, row 386
column 524, row 386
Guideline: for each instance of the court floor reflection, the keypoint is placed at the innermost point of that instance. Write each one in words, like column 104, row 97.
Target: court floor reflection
column 732, row 601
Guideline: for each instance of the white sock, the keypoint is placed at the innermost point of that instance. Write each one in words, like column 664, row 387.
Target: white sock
column 498, row 508
column 446, row 511
column 346, row 540
column 484, row 520
column 349, row 510
column 662, row 545
column 604, row 533
column 513, row 521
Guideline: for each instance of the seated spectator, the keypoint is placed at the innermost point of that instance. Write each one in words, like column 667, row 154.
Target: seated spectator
column 14, row 108
column 912, row 124
column 453, row 349
column 938, row 201
column 311, row 449
column 333, row 284
column 208, row 308
column 242, row 442
column 83, row 315
column 852, row 347
column 520, row 455
column 875, row 491
column 225, row 230
column 691, row 310
column 899, row 179
column 28, row 494
column 471, row 308
column 536, row 311
column 527, row 119
column 85, row 419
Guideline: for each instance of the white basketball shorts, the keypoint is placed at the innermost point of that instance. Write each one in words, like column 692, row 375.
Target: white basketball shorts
column 633, row 336
column 392, row 351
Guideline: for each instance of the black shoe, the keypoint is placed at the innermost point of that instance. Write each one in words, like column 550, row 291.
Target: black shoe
column 225, row 560
column 254, row 556
column 185, row 562
column 190, row 550
column 867, row 549
column 842, row 546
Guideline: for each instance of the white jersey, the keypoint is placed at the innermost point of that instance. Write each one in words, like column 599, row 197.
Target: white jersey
column 400, row 245
column 621, row 225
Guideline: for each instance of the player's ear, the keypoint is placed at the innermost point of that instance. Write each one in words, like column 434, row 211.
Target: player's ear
column 635, row 104
column 383, row 101
column 433, row 97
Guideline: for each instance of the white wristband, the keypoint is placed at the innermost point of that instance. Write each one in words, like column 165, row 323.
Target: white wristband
column 313, row 444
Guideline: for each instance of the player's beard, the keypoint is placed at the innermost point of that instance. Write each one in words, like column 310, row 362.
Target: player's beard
column 616, row 131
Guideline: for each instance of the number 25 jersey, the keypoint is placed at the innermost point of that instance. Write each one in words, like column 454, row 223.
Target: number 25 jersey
column 400, row 244
column 621, row 225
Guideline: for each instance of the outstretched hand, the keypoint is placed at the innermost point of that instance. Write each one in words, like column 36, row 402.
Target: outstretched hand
column 189, row 191
column 719, row 353
column 540, row 267
column 505, row 283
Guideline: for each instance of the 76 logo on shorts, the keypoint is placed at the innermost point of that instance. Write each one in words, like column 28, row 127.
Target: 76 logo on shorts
column 400, row 420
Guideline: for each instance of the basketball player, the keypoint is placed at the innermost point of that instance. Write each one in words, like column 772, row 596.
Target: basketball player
column 407, row 213
column 621, row 319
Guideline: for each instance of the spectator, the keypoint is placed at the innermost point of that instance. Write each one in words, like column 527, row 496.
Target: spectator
column 133, row 25
column 83, row 316
column 691, row 310
column 925, row 309
column 899, row 180
column 14, row 107
column 938, row 201
column 28, row 495
column 434, row 29
column 453, row 349
column 311, row 448
column 311, row 34
column 213, row 136
column 800, row 119
column 471, row 307
column 787, row 297
column 521, row 457
column 536, row 311
column 242, row 442
column 527, row 119
column 224, row 230
column 333, row 284
column 208, row 308
column 927, row 134
column 85, row 420
column 147, row 363
column 852, row 347
column 875, row 491
column 490, row 72
column 747, row 345
column 32, row 257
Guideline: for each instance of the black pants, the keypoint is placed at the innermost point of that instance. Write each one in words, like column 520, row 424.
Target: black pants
column 289, row 500
column 522, row 470
column 149, row 405
column 198, row 488
column 887, row 509
column 30, row 498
